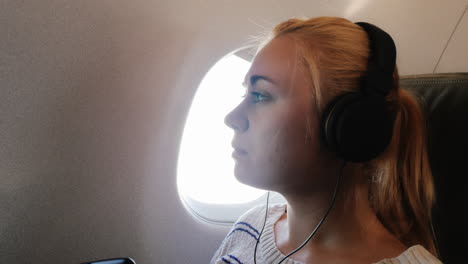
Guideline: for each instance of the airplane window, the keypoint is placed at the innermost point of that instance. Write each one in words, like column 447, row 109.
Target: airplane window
column 205, row 170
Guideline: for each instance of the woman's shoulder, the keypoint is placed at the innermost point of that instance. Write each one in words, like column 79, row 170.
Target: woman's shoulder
column 241, row 239
column 416, row 254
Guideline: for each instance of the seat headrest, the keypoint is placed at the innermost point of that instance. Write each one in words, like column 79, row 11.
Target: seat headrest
column 445, row 100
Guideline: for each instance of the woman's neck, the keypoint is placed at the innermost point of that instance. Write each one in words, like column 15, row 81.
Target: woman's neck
column 351, row 225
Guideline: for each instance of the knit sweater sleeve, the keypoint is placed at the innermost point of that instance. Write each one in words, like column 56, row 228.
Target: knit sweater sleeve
column 238, row 245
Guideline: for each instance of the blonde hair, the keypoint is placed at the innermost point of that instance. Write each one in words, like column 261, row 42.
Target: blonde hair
column 335, row 52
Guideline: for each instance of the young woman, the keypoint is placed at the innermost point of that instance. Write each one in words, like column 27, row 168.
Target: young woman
column 374, row 209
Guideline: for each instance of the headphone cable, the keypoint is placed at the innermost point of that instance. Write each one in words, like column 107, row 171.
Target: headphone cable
column 316, row 228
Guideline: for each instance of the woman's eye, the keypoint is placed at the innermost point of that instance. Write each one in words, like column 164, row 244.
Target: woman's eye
column 256, row 97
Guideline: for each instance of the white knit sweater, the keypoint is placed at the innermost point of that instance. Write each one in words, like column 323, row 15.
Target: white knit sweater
column 239, row 244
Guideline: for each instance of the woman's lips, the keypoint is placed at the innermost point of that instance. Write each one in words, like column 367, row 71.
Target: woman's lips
column 238, row 152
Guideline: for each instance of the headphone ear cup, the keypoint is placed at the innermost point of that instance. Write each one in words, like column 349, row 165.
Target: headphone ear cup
column 357, row 127
column 330, row 116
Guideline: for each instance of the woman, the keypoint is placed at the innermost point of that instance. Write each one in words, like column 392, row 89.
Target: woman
column 377, row 208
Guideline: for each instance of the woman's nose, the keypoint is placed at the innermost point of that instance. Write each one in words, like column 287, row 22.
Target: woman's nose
column 236, row 121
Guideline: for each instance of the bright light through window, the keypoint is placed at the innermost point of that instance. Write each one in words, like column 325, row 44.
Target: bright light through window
column 205, row 166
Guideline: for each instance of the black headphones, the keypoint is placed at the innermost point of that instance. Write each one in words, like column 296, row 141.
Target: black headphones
column 358, row 126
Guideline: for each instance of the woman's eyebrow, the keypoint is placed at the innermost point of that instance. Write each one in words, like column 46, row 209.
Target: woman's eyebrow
column 255, row 78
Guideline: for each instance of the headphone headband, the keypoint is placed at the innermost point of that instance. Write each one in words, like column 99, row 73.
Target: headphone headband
column 382, row 59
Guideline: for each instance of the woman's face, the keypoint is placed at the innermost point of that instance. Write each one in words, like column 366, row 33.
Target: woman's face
column 270, row 123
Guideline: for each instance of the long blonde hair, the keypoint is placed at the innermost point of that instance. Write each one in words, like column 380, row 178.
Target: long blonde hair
column 335, row 52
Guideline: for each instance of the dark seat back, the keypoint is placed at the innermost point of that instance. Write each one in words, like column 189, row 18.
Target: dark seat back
column 446, row 104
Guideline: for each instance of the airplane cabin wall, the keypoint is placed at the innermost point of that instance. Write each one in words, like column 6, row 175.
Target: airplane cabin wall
column 93, row 99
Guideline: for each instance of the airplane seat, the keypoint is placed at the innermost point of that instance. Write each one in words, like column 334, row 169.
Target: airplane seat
column 445, row 97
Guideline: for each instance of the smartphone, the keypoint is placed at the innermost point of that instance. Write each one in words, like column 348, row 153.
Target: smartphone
column 112, row 261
